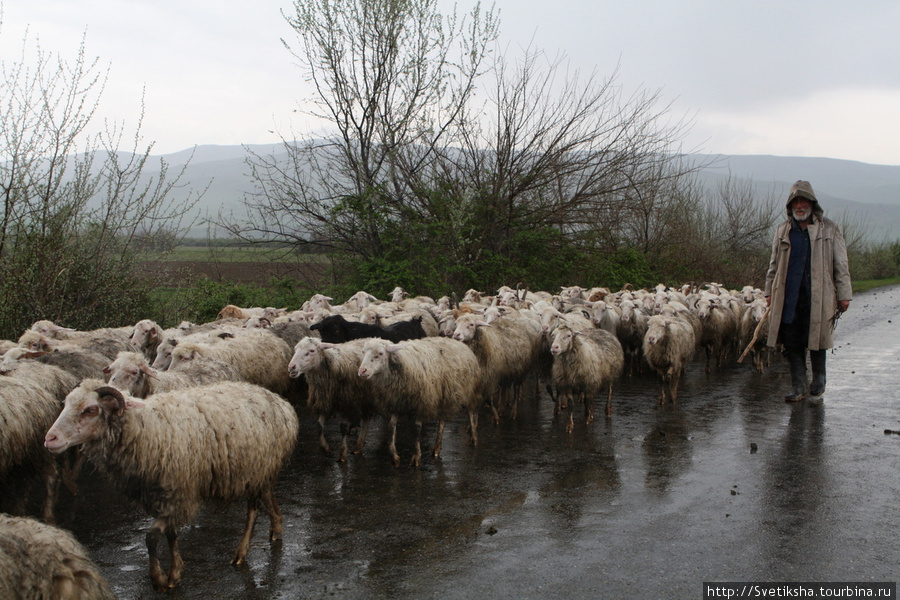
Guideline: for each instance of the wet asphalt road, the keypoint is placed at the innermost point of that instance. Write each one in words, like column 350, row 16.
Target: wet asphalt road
column 650, row 503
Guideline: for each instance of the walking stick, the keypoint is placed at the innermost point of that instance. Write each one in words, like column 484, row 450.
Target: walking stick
column 755, row 335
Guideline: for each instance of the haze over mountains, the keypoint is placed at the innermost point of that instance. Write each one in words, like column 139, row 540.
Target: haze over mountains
column 864, row 193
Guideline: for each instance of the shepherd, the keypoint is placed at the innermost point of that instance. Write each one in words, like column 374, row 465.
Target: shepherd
column 807, row 288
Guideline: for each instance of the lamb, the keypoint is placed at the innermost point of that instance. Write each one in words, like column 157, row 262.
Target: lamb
column 335, row 329
column 259, row 356
column 584, row 362
column 27, row 410
column 428, row 379
column 507, row 350
column 669, row 345
column 41, row 561
column 226, row 441
column 131, row 373
column 335, row 388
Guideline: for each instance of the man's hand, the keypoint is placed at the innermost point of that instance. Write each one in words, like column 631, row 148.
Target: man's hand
column 769, row 301
column 843, row 305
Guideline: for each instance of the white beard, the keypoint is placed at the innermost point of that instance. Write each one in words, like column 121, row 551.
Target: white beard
column 801, row 215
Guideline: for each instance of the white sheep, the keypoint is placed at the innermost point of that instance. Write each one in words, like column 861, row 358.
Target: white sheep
column 335, row 388
column 131, row 373
column 227, row 440
column 259, row 356
column 584, row 362
column 41, row 561
column 27, row 409
column 107, row 346
column 669, row 345
column 507, row 350
column 720, row 328
column 756, row 313
column 630, row 331
column 427, row 379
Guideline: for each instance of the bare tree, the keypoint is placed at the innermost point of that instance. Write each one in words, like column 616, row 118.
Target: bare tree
column 71, row 204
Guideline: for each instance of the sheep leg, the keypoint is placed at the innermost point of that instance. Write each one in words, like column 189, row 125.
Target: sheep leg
column 473, row 426
column 276, row 521
column 417, row 457
column 588, row 408
column 438, row 442
column 51, row 484
column 71, row 466
column 392, row 446
column 361, row 437
column 609, row 401
column 673, row 387
column 177, row 565
column 157, row 577
column 244, row 545
column 323, row 443
column 345, row 431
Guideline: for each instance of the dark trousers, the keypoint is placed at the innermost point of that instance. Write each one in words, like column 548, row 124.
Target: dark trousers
column 795, row 335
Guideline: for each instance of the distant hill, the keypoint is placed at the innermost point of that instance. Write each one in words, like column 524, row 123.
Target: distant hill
column 866, row 193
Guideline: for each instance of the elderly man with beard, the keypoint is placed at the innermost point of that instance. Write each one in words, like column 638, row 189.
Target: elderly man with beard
column 807, row 287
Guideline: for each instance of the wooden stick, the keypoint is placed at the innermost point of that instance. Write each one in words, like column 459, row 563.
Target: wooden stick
column 755, row 334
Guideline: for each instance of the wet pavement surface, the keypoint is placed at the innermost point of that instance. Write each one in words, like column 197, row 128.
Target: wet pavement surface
column 731, row 484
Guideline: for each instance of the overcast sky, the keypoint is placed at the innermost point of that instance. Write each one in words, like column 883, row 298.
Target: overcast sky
column 789, row 78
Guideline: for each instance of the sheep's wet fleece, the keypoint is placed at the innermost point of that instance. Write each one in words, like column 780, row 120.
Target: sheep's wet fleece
column 371, row 463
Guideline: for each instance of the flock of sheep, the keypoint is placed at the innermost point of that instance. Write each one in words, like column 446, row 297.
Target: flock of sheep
column 144, row 403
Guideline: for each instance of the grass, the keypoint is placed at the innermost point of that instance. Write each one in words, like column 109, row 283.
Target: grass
column 868, row 284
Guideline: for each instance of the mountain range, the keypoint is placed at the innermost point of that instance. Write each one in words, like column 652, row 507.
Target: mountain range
column 849, row 191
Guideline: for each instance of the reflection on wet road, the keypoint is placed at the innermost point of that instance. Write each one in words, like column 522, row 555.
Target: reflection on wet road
column 649, row 503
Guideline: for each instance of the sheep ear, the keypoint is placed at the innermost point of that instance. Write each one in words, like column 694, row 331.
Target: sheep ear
column 111, row 400
column 482, row 323
column 153, row 337
column 327, row 345
column 148, row 371
column 106, row 370
column 394, row 347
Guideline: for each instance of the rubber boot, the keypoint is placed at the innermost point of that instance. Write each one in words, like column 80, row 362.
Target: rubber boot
column 797, row 361
column 817, row 360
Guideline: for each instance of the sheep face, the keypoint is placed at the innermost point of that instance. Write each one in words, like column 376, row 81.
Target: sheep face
column 656, row 329
column 307, row 356
column 562, row 341
column 35, row 342
column 126, row 372
column 145, row 334
column 84, row 417
column 183, row 354
column 467, row 326
column 163, row 357
column 375, row 357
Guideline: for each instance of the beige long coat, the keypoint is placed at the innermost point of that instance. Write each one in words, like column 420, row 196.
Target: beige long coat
column 829, row 275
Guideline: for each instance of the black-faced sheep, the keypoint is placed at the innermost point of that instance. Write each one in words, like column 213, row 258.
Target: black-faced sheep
column 227, row 440
column 428, row 379
column 335, row 388
column 41, row 561
column 584, row 362
column 508, row 350
column 669, row 345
